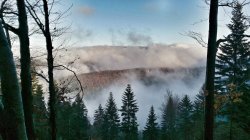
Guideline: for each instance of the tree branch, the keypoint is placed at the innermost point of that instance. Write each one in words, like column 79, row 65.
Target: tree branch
column 73, row 73
column 196, row 36
column 35, row 16
column 11, row 28
column 40, row 75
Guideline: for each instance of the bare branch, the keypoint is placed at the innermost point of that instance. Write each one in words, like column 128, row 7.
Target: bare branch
column 40, row 75
column 35, row 16
column 12, row 29
column 196, row 36
column 79, row 82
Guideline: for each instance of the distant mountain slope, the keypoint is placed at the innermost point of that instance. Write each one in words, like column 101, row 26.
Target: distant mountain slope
column 96, row 81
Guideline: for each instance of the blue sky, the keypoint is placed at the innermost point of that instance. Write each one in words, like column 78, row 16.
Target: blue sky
column 134, row 22
column 137, row 22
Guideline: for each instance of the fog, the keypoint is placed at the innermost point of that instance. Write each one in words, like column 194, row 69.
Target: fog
column 180, row 83
column 99, row 58
column 187, row 77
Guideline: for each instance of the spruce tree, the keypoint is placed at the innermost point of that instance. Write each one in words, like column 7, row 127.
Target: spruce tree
column 232, row 70
column 151, row 131
column 185, row 124
column 169, row 116
column 111, row 123
column 40, row 114
column 72, row 120
column 234, row 56
column 98, row 122
column 198, row 115
column 64, row 120
column 79, row 120
column 129, row 125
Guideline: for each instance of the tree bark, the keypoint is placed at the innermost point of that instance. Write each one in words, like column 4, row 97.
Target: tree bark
column 50, row 62
column 26, row 84
column 210, row 70
column 12, row 101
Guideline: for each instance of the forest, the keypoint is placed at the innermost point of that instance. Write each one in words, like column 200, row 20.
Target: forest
column 34, row 110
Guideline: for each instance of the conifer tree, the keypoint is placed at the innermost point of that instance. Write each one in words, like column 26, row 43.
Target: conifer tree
column 151, row 131
column 128, row 110
column 64, row 120
column 79, row 120
column 72, row 120
column 40, row 114
column 198, row 115
column 185, row 124
column 169, row 116
column 111, row 123
column 232, row 70
column 234, row 57
column 98, row 122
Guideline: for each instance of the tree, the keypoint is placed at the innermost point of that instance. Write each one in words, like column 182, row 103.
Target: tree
column 233, row 59
column 40, row 114
column 64, row 119
column 26, row 86
column 23, row 34
column 210, row 70
column 111, row 120
column 72, row 120
column 14, row 122
column 80, row 123
column 185, row 124
column 151, row 131
column 128, row 110
column 45, row 29
column 169, row 118
column 232, row 67
column 98, row 122
column 198, row 115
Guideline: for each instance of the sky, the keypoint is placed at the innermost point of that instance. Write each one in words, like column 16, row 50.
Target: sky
column 137, row 22
column 134, row 22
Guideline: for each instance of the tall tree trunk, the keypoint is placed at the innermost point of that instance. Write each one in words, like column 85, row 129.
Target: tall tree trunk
column 26, row 89
column 210, row 70
column 50, row 61
column 12, row 101
column 2, row 133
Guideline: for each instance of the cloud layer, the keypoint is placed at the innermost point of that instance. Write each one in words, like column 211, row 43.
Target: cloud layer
column 99, row 58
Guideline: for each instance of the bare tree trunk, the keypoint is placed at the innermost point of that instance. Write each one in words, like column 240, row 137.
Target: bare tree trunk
column 25, row 69
column 12, row 101
column 210, row 70
column 2, row 133
column 50, row 61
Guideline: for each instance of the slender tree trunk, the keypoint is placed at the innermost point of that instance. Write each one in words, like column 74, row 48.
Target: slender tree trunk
column 210, row 70
column 2, row 133
column 50, row 61
column 25, row 69
column 12, row 101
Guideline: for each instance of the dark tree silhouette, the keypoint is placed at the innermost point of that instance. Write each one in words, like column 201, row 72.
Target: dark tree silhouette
column 198, row 114
column 98, row 122
column 232, row 70
column 151, row 130
column 210, row 70
column 23, row 34
column 45, row 29
column 26, row 86
column 185, row 123
column 14, row 122
column 128, row 110
column 169, row 118
column 111, row 120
